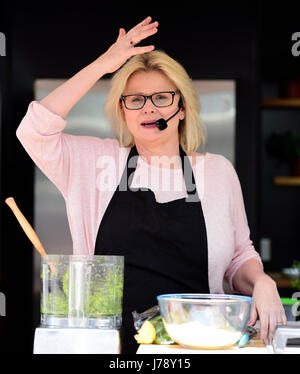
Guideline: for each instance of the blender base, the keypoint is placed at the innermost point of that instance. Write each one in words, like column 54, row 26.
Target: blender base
column 76, row 341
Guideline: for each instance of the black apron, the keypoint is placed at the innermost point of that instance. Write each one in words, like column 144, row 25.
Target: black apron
column 164, row 244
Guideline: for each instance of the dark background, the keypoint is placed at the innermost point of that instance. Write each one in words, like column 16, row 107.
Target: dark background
column 247, row 41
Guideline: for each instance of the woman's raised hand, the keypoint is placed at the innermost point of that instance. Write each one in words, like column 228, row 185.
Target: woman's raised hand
column 125, row 45
column 62, row 99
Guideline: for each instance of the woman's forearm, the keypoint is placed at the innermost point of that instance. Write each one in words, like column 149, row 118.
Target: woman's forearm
column 247, row 275
column 61, row 100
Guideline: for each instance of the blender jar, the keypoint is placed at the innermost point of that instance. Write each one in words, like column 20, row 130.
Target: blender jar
column 82, row 291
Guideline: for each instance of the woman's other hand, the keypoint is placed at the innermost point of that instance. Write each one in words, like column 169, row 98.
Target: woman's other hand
column 268, row 306
column 124, row 47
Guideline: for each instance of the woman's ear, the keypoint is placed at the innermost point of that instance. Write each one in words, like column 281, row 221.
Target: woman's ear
column 122, row 109
column 182, row 111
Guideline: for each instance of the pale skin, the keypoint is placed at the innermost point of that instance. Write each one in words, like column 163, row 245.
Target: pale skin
column 250, row 278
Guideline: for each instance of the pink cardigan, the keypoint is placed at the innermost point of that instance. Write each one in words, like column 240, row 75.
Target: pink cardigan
column 87, row 170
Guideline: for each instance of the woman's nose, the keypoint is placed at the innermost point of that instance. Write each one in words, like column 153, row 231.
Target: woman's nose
column 149, row 106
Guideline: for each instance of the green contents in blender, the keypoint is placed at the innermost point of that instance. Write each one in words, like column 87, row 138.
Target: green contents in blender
column 105, row 300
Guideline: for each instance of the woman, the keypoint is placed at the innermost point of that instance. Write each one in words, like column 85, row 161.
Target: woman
column 188, row 237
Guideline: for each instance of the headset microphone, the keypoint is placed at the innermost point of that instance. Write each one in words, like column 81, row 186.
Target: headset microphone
column 161, row 124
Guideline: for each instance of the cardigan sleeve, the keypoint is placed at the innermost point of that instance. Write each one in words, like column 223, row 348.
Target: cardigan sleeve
column 40, row 133
column 65, row 159
column 244, row 249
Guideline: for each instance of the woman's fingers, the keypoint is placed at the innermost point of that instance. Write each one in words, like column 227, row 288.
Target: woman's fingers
column 253, row 315
column 269, row 323
column 124, row 47
column 143, row 34
column 122, row 32
column 272, row 327
column 264, row 326
column 142, row 31
column 145, row 22
column 140, row 50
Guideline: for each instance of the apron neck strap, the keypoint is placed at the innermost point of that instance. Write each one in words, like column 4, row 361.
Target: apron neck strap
column 186, row 168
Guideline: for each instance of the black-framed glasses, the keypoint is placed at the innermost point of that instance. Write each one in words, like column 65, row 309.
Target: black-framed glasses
column 159, row 99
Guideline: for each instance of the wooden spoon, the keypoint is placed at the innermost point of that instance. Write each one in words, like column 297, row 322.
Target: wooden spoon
column 29, row 231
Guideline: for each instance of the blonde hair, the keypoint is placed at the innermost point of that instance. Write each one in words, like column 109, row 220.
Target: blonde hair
column 191, row 130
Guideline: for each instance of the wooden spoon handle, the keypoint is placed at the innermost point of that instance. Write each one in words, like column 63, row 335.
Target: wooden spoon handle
column 25, row 225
